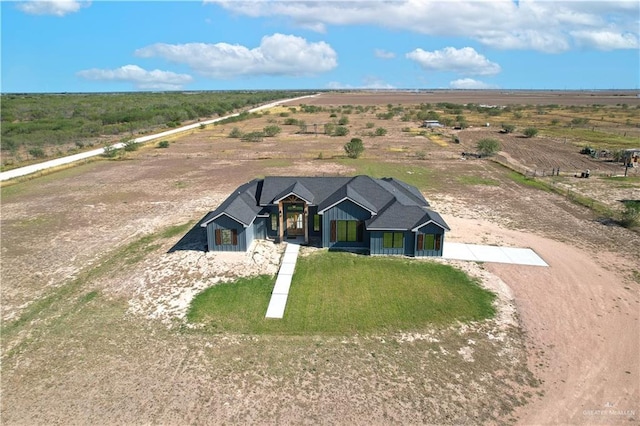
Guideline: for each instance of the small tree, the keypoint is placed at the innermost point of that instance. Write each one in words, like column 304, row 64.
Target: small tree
column 110, row 151
column 271, row 131
column 130, row 146
column 329, row 128
column 488, row 147
column 508, row 128
column 235, row 133
column 253, row 137
column 530, row 132
column 37, row 152
column 341, row 131
column 354, row 148
column 303, row 126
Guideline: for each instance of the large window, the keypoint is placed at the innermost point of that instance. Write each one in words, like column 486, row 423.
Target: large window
column 316, row 222
column 393, row 240
column 274, row 222
column 346, row 230
column 429, row 242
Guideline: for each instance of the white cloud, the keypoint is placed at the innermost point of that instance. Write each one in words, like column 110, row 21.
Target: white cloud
column 52, row 7
column 606, row 40
column 369, row 82
column 141, row 78
column 383, row 54
column 469, row 83
column 547, row 26
column 277, row 54
column 462, row 61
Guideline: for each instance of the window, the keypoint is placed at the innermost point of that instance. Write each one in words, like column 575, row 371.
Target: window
column 393, row 240
column 274, row 222
column 429, row 242
column 227, row 237
column 346, row 230
column 316, row 222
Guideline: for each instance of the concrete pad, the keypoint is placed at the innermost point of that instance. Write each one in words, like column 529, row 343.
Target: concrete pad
column 484, row 253
column 458, row 251
column 283, row 283
column 276, row 306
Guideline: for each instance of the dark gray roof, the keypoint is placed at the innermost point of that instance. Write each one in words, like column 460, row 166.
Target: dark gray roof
column 394, row 204
column 240, row 205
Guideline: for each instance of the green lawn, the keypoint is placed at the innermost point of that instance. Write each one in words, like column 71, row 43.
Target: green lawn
column 342, row 293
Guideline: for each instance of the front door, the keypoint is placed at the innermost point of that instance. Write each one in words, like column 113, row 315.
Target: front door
column 295, row 225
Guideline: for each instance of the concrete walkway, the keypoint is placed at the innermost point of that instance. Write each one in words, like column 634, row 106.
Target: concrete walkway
column 481, row 253
column 281, row 290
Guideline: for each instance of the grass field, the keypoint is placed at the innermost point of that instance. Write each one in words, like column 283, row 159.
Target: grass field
column 341, row 293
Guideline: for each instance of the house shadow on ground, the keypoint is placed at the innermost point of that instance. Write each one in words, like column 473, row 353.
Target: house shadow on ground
column 194, row 240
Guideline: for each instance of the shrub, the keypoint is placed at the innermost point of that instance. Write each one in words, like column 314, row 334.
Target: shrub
column 202, row 126
column 271, row 131
column 253, row 137
column 110, row 151
column 487, row 146
column 343, row 121
column 163, row 144
column 37, row 152
column 555, row 122
column 341, row 131
column 131, row 146
column 284, row 114
column 354, row 148
column 630, row 216
column 370, row 125
column 291, row 122
column 235, row 133
column 421, row 155
column 530, row 132
column 329, row 128
column 508, row 128
column 381, row 131
column 303, row 126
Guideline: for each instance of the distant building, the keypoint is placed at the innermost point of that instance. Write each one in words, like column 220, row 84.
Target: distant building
column 631, row 157
column 431, row 123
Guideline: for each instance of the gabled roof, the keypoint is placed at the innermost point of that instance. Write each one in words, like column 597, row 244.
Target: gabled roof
column 393, row 204
column 297, row 189
column 240, row 205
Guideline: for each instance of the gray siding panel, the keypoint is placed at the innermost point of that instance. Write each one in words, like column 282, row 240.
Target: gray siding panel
column 260, row 228
column 377, row 244
column 225, row 222
column 346, row 210
column 430, row 229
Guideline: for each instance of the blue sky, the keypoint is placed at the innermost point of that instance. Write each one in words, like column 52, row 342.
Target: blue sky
column 103, row 46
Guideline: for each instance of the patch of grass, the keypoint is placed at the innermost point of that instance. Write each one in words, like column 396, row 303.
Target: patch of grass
column 420, row 177
column 342, row 293
column 127, row 255
column 600, row 139
column 476, row 180
column 527, row 181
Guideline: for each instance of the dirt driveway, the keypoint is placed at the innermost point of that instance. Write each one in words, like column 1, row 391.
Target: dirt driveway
column 114, row 350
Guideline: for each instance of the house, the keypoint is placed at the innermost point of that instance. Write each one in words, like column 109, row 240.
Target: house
column 631, row 157
column 376, row 216
column 431, row 124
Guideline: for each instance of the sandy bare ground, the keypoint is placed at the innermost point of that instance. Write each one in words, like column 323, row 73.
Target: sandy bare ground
column 125, row 355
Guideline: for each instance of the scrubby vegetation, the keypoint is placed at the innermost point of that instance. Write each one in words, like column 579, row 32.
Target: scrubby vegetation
column 40, row 124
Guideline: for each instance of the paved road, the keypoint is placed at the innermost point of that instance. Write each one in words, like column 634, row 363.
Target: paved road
column 33, row 168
